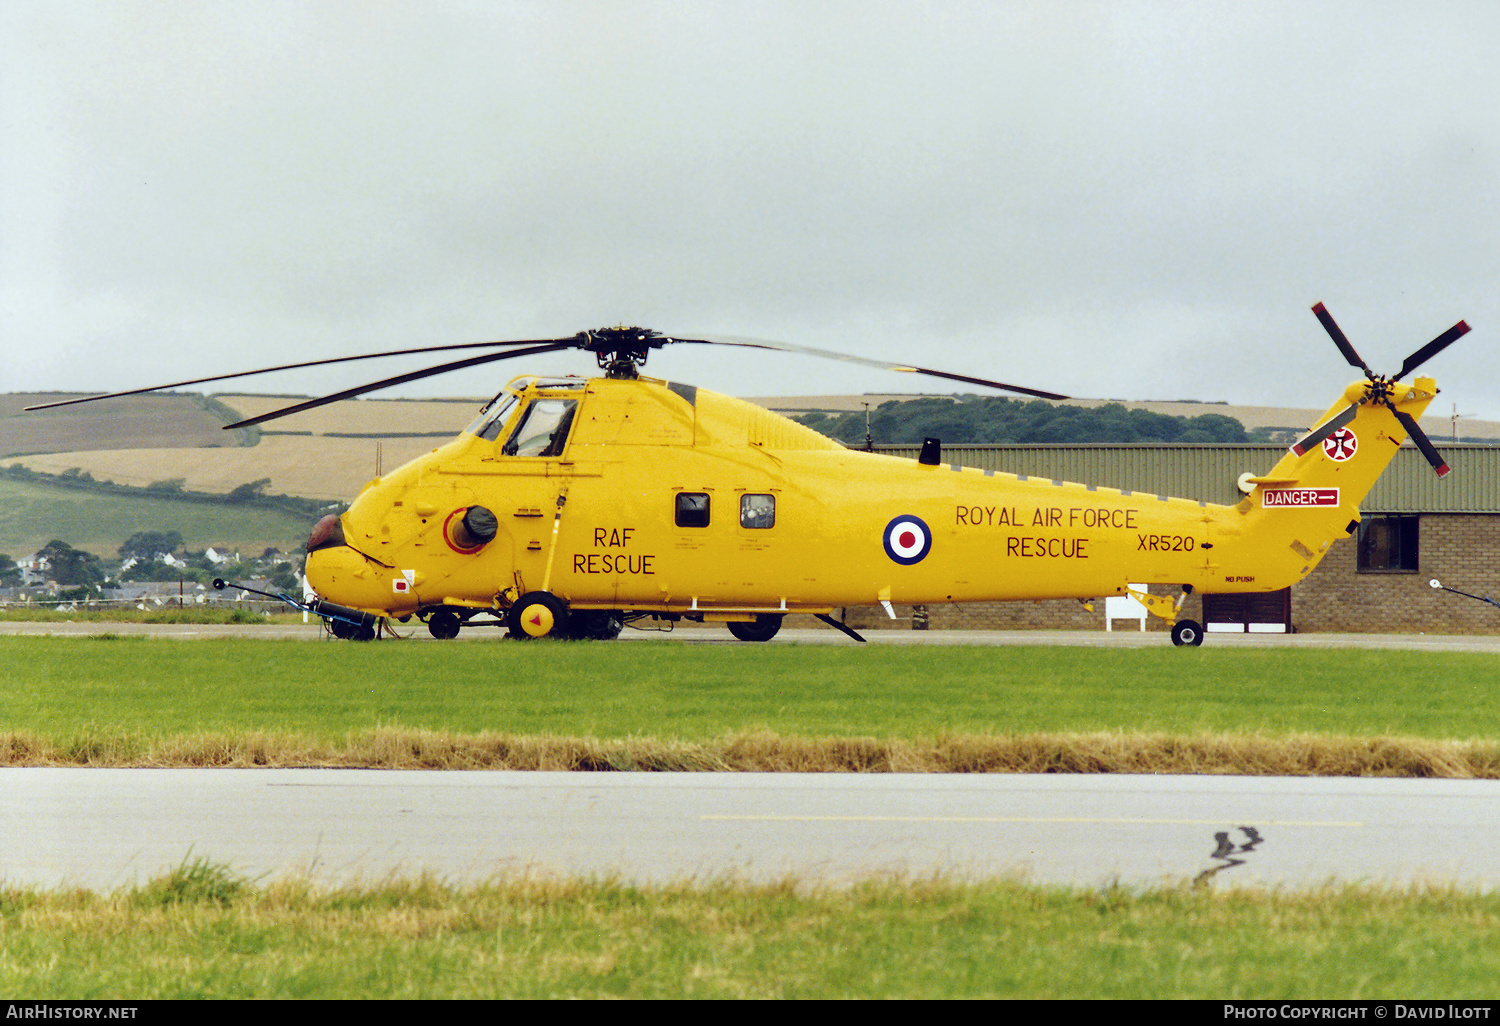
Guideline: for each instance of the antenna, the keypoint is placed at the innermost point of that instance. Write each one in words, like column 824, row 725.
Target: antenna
column 1455, row 417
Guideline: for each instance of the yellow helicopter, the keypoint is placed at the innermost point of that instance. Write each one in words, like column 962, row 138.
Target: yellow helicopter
column 572, row 506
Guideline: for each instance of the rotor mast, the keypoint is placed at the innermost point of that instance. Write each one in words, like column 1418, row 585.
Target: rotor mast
column 621, row 351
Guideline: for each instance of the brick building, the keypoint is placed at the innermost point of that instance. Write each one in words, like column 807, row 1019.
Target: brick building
column 1415, row 527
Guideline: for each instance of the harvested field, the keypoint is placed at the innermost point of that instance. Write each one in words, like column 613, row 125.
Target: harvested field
column 170, row 421
column 307, row 466
column 161, row 438
column 363, row 416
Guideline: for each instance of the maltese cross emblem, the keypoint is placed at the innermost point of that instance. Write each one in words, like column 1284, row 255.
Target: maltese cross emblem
column 1340, row 445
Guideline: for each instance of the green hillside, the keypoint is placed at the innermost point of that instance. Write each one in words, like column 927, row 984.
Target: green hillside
column 33, row 513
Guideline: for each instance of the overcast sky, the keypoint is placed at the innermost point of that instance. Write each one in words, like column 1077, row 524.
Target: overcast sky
column 1132, row 200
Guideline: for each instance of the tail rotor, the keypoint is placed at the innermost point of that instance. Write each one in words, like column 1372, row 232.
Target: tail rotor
column 1379, row 389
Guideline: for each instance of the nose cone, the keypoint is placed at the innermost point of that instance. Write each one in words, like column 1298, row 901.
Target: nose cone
column 327, row 533
column 342, row 575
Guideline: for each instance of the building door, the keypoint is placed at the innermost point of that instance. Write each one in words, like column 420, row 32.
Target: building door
column 1255, row 613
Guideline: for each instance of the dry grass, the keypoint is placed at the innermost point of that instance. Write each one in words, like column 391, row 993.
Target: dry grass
column 1247, row 755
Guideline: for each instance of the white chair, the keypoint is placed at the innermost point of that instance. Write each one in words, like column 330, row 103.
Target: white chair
column 1125, row 607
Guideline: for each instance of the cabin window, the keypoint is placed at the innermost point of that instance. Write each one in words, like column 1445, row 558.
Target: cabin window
column 757, row 511
column 542, row 429
column 1388, row 544
column 692, row 509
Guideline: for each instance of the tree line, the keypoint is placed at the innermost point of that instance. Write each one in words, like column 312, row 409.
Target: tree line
column 995, row 420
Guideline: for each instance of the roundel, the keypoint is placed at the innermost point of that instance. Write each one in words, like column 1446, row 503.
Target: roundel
column 907, row 539
column 1340, row 445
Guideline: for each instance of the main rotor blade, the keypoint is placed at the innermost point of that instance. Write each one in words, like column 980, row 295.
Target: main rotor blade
column 1322, row 431
column 1326, row 319
column 350, row 393
column 1420, row 437
column 755, row 343
column 1432, row 348
column 288, row 366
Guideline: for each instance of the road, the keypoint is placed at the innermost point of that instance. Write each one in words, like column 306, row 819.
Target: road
column 103, row 828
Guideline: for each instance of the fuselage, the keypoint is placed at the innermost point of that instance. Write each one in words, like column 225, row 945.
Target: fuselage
column 643, row 495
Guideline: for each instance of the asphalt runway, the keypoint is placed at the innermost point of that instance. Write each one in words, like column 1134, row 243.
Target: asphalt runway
column 103, row 828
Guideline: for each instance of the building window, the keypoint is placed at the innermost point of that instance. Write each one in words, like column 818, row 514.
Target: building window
column 1388, row 544
column 757, row 511
column 692, row 509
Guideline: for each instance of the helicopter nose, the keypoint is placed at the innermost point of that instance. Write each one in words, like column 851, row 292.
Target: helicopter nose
column 326, row 534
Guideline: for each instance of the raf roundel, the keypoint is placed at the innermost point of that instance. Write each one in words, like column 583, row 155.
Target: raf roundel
column 908, row 539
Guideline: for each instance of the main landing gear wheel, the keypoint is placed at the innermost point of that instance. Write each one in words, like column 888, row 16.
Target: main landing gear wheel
column 763, row 629
column 539, row 614
column 1187, row 632
column 444, row 624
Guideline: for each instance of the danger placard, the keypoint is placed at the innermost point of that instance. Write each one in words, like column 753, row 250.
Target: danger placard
column 1300, row 497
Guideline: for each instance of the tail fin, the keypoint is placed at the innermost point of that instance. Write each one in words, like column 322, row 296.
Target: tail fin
column 1355, row 453
column 1311, row 498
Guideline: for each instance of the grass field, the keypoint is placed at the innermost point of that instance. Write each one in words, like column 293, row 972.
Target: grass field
column 202, row 933
column 32, row 514
column 664, row 705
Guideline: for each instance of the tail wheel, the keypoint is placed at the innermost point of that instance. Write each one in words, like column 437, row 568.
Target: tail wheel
column 1187, row 632
column 764, row 627
column 538, row 614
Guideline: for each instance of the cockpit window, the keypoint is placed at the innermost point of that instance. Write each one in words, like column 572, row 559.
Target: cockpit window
column 491, row 421
column 542, row 429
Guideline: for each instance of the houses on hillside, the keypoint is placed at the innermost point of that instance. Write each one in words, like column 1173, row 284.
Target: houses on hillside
column 34, row 580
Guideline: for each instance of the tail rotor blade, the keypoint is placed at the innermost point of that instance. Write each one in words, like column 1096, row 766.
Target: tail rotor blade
column 1335, row 333
column 1432, row 348
column 1420, row 437
column 1322, row 431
